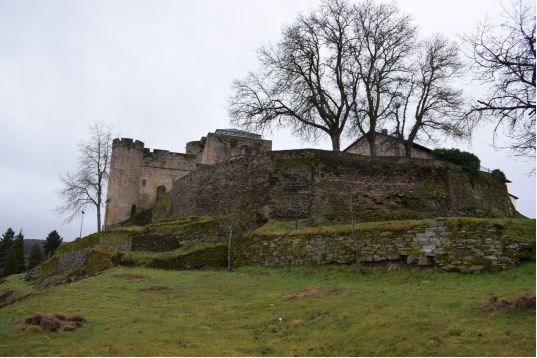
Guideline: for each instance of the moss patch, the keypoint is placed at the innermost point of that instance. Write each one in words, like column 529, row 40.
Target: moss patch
column 142, row 218
column 163, row 207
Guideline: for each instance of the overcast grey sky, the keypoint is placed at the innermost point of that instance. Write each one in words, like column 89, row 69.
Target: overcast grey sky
column 159, row 72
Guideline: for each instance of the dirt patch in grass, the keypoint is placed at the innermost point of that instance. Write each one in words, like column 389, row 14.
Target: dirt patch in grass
column 526, row 302
column 6, row 294
column 157, row 288
column 54, row 322
column 310, row 291
column 130, row 276
column 2, row 280
column 260, row 273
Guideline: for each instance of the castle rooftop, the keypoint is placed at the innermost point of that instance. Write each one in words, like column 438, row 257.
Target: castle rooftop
column 237, row 133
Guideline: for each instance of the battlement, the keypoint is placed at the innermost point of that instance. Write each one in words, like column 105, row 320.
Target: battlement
column 161, row 153
column 128, row 142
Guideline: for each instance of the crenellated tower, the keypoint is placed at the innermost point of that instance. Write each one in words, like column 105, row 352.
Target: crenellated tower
column 124, row 180
column 138, row 175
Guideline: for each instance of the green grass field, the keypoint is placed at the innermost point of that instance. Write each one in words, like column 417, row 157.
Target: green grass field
column 405, row 312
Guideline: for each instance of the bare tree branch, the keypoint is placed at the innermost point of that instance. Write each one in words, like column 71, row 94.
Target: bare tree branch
column 306, row 82
column 503, row 59
column 385, row 40
column 436, row 107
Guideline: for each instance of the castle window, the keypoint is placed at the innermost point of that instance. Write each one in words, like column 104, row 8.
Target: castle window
column 144, row 182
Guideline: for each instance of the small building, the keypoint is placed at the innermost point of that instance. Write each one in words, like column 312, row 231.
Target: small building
column 388, row 146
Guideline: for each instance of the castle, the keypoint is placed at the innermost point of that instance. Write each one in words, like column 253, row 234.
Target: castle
column 233, row 166
column 183, row 200
column 138, row 175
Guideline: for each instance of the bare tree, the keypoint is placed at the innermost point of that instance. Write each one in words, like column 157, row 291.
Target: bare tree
column 307, row 81
column 234, row 217
column 384, row 41
column 429, row 104
column 85, row 187
column 503, row 59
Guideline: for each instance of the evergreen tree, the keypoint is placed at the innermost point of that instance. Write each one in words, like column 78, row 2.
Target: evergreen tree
column 5, row 245
column 15, row 259
column 53, row 242
column 36, row 257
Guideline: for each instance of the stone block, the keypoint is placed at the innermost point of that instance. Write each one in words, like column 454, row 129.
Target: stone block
column 436, row 223
column 425, row 261
column 476, row 268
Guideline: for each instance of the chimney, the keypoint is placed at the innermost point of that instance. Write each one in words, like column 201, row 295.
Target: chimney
column 385, row 131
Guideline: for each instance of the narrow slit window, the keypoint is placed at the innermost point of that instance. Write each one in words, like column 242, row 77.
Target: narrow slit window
column 144, row 182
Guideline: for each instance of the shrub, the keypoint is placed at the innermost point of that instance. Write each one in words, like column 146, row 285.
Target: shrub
column 499, row 176
column 468, row 161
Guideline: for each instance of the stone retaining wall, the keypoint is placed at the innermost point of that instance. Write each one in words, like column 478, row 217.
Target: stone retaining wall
column 154, row 242
column 447, row 246
column 72, row 260
column 383, row 188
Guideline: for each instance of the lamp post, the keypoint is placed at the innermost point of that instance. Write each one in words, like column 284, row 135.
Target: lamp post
column 106, row 212
column 81, row 222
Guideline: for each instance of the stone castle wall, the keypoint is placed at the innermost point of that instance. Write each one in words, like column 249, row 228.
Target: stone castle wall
column 161, row 168
column 219, row 148
column 135, row 174
column 383, row 188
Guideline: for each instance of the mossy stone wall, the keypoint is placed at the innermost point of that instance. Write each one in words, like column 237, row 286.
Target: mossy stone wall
column 155, row 242
column 452, row 245
column 215, row 256
column 385, row 188
column 120, row 238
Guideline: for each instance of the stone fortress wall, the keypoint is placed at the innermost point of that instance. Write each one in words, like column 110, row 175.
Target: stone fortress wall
column 137, row 173
column 383, row 188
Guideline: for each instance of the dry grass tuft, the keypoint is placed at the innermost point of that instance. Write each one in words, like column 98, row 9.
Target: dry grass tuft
column 54, row 322
column 157, row 288
column 526, row 302
column 310, row 291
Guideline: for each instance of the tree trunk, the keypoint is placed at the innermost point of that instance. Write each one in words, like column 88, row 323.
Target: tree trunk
column 372, row 140
column 99, row 201
column 411, row 137
column 98, row 218
column 408, row 149
column 229, row 250
column 335, row 142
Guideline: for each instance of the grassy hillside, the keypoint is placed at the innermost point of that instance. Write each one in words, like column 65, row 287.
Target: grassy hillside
column 405, row 312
